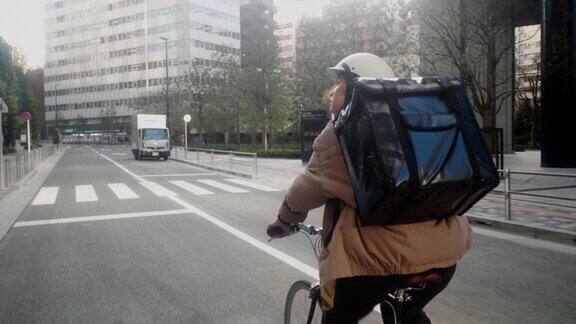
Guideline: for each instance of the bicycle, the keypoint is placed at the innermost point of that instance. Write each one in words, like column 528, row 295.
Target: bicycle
column 309, row 292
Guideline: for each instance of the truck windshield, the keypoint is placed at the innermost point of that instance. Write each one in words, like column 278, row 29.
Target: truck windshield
column 154, row 133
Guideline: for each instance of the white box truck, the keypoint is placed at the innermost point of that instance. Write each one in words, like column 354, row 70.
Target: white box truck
column 150, row 137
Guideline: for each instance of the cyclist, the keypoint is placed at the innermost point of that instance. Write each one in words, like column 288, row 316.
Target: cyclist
column 359, row 265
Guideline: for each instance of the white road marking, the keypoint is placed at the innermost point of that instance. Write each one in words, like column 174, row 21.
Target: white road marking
column 119, row 165
column 223, row 186
column 119, row 154
column 157, row 189
column 46, row 196
column 100, row 217
column 85, row 193
column 176, row 175
column 301, row 266
column 122, row 191
column 191, row 188
column 297, row 264
column 252, row 185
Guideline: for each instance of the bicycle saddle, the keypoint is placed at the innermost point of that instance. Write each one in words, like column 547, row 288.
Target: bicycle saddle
column 426, row 277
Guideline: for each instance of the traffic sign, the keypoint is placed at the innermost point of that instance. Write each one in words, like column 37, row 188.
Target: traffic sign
column 3, row 107
column 187, row 118
column 25, row 116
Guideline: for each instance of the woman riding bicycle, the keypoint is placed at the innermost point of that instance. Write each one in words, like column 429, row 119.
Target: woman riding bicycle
column 359, row 265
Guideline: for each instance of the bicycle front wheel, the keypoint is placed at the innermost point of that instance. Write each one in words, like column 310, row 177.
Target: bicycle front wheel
column 299, row 303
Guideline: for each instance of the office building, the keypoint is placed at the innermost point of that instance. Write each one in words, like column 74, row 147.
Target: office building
column 104, row 59
column 286, row 36
column 258, row 40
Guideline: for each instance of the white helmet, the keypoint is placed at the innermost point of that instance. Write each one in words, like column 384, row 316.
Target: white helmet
column 364, row 65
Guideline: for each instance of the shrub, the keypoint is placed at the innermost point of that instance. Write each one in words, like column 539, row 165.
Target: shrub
column 10, row 150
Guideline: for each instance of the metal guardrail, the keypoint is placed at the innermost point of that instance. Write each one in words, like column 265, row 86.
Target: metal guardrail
column 20, row 167
column 231, row 161
column 506, row 175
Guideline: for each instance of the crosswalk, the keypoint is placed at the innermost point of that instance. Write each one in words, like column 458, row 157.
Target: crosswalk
column 122, row 191
column 46, row 196
column 88, row 193
column 85, row 193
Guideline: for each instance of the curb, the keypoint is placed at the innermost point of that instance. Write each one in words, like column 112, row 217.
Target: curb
column 240, row 174
column 14, row 202
column 538, row 232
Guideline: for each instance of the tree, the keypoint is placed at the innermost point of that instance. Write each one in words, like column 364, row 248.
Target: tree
column 21, row 92
column 261, row 69
column 36, row 85
column 528, row 101
column 263, row 89
column 226, row 106
column 347, row 27
column 469, row 37
column 10, row 125
column 194, row 93
column 315, row 53
column 10, row 92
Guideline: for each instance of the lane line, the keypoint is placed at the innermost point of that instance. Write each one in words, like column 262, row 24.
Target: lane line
column 191, row 188
column 176, row 175
column 252, row 185
column 157, row 189
column 119, row 165
column 46, row 196
column 100, row 217
column 304, row 268
column 223, row 186
column 293, row 262
column 85, row 193
column 122, row 191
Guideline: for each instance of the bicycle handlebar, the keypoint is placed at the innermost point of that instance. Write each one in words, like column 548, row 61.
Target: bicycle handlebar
column 308, row 229
column 274, row 232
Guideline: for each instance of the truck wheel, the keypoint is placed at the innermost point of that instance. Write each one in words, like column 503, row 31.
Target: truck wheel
column 165, row 157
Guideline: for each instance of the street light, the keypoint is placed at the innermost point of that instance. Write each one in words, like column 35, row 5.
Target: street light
column 167, row 84
column 187, row 118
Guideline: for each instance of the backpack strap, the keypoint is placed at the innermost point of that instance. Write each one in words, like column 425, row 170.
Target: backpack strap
column 450, row 96
column 391, row 91
column 336, row 205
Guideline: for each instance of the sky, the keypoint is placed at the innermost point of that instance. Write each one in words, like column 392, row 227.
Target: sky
column 291, row 10
column 22, row 26
column 22, row 23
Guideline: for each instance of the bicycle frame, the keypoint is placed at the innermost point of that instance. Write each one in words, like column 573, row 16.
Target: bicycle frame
column 314, row 297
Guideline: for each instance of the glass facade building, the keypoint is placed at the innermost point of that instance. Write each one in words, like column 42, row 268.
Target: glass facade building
column 105, row 58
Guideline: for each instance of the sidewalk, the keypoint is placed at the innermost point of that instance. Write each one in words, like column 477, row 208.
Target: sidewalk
column 19, row 166
column 532, row 214
column 536, row 212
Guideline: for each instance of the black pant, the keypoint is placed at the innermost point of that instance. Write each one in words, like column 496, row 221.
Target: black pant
column 355, row 297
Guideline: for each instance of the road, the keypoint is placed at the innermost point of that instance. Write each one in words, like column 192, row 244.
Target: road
column 111, row 239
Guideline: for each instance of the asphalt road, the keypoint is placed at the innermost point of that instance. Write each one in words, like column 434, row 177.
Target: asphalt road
column 111, row 239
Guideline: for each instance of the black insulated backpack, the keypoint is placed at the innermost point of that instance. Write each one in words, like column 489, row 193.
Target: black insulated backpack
column 413, row 150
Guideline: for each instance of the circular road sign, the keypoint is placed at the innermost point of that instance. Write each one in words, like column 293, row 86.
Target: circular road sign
column 25, row 116
column 187, row 118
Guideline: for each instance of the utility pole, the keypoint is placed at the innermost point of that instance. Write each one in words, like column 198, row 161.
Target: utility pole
column 167, row 82
column 3, row 109
column 56, row 86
